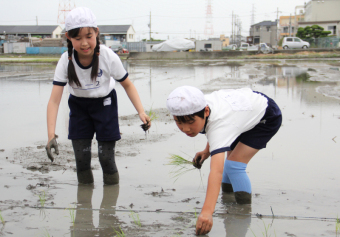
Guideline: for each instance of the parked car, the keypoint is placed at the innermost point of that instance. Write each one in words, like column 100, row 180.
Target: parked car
column 118, row 49
column 294, row 43
column 230, row 47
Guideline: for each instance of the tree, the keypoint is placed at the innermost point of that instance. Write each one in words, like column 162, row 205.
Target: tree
column 314, row 31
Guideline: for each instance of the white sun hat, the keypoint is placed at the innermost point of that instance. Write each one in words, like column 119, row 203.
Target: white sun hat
column 185, row 100
column 80, row 17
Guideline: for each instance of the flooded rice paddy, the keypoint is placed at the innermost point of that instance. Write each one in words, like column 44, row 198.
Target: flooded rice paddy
column 295, row 180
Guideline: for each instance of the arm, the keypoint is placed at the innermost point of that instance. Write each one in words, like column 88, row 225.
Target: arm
column 132, row 93
column 204, row 222
column 52, row 110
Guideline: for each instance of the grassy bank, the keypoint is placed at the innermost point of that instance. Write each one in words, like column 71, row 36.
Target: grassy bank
column 53, row 59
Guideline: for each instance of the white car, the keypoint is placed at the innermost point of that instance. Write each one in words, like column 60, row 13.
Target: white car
column 294, row 43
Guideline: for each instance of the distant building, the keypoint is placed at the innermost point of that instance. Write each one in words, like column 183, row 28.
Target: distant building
column 324, row 13
column 122, row 33
column 224, row 40
column 288, row 24
column 264, row 32
column 213, row 44
column 41, row 31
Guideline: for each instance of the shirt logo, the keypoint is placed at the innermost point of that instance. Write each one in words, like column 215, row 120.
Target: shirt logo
column 100, row 73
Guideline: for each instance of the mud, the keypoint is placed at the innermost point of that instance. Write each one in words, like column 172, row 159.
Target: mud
column 294, row 180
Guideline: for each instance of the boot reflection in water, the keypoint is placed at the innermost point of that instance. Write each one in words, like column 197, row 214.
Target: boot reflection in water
column 238, row 217
column 83, row 225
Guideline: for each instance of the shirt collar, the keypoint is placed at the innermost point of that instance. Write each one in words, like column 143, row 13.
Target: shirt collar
column 206, row 121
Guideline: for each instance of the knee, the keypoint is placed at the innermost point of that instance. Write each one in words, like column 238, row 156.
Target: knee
column 232, row 167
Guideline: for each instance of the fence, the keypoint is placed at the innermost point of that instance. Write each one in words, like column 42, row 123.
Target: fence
column 45, row 50
column 324, row 42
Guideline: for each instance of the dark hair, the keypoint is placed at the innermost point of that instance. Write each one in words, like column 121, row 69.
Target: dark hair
column 71, row 72
column 191, row 117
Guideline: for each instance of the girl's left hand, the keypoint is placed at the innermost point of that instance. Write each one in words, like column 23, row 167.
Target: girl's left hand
column 145, row 119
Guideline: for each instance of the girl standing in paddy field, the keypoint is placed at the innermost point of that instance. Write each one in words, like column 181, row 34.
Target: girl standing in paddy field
column 239, row 122
column 90, row 70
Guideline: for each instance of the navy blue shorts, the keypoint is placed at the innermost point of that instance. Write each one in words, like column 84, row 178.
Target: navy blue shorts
column 259, row 136
column 94, row 115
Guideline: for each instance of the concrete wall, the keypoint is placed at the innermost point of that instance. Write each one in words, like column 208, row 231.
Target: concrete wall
column 189, row 55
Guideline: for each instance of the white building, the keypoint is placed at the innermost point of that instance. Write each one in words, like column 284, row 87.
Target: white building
column 324, row 13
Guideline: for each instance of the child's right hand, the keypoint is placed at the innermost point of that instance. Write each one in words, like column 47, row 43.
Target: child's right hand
column 52, row 144
column 200, row 157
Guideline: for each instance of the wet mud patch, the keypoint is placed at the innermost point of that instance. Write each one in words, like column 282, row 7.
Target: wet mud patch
column 34, row 158
column 329, row 91
column 325, row 74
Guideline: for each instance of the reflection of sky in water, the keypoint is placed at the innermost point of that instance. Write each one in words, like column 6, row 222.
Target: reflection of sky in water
column 20, row 97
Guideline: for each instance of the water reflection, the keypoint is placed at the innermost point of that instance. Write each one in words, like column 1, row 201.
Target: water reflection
column 83, row 222
column 238, row 219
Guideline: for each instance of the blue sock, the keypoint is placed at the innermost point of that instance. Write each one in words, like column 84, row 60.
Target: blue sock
column 236, row 173
column 225, row 178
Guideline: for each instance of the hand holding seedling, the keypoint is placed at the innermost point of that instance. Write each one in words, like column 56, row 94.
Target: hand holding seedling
column 204, row 224
column 146, row 121
column 52, row 144
column 199, row 158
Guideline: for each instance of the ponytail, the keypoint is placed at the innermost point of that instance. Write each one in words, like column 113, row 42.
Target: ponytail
column 71, row 71
column 95, row 62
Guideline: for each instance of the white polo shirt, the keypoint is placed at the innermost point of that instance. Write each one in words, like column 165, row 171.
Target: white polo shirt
column 110, row 70
column 232, row 112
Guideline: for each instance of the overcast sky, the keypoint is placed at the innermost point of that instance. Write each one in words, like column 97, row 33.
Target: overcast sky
column 169, row 19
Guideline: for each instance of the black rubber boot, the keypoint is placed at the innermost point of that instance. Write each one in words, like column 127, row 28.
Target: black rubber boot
column 243, row 197
column 227, row 188
column 111, row 179
column 85, row 177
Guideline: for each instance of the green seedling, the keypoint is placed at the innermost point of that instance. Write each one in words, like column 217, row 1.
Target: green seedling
column 135, row 218
column 152, row 115
column 72, row 214
column 181, row 165
column 2, row 219
column 42, row 198
column 46, row 234
column 265, row 233
column 119, row 233
column 337, row 225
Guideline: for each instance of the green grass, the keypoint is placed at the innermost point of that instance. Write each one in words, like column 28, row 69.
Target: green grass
column 135, row 218
column 42, row 198
column 337, row 225
column 119, row 233
column 2, row 219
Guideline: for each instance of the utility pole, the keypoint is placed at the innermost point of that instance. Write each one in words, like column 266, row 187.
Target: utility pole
column 36, row 17
column 290, row 24
column 232, row 27
column 277, row 26
column 150, row 27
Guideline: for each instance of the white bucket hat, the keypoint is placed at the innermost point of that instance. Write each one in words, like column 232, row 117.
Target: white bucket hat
column 80, row 17
column 185, row 100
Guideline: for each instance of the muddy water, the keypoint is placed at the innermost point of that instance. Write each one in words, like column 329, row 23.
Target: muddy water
column 294, row 180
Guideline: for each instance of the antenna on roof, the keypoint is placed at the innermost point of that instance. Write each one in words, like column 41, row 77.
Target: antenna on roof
column 65, row 6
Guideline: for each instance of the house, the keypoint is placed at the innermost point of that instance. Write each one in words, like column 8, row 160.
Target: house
column 264, row 32
column 324, row 13
column 288, row 25
column 42, row 31
column 122, row 33
column 225, row 41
